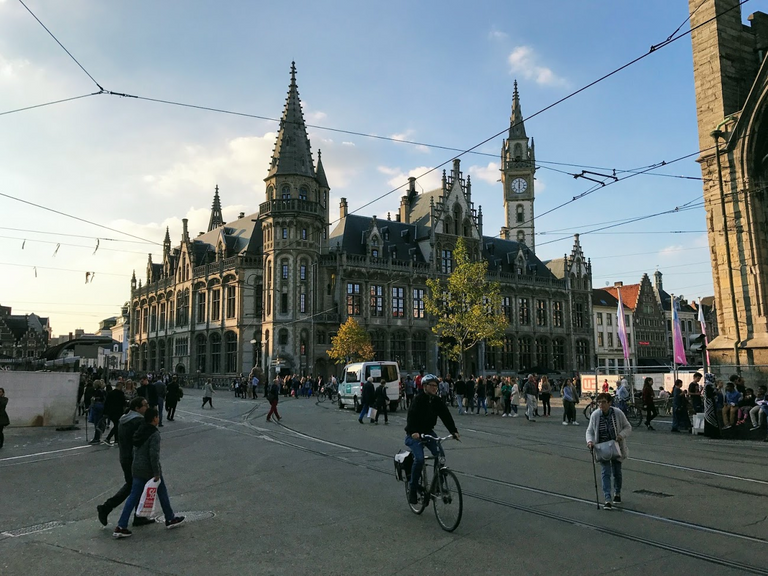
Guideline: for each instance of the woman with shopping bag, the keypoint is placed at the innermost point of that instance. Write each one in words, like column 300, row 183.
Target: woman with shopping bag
column 146, row 467
column 607, row 439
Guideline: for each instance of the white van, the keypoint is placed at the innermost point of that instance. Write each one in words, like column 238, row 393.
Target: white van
column 356, row 373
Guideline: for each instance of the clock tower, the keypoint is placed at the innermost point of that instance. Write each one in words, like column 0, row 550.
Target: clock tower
column 517, row 170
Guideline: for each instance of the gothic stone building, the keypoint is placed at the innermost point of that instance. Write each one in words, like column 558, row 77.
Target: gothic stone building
column 271, row 288
column 731, row 79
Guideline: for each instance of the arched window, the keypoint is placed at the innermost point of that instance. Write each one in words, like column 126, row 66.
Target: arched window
column 524, row 346
column 152, row 356
column 282, row 338
column 303, row 193
column 456, row 219
column 201, row 345
column 520, row 213
column 379, row 342
column 271, row 193
column 419, row 350
column 582, row 355
column 286, row 192
column 230, row 347
column 558, row 354
column 467, row 227
column 518, row 152
column 397, row 347
column 215, row 345
column 542, row 352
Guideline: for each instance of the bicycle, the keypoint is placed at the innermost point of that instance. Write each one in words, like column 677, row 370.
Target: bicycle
column 591, row 407
column 444, row 490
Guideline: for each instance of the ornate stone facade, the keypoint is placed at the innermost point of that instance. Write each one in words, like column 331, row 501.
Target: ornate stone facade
column 731, row 78
column 270, row 289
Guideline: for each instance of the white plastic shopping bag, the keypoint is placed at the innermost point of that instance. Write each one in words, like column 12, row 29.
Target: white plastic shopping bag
column 149, row 505
column 372, row 413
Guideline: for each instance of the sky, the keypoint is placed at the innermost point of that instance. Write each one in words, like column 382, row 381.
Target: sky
column 437, row 73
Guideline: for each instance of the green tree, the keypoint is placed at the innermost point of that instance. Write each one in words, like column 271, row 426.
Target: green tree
column 466, row 306
column 352, row 343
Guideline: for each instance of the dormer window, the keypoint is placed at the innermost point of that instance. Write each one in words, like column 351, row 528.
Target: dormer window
column 375, row 242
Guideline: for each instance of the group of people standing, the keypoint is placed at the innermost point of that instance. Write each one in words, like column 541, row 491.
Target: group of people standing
column 105, row 404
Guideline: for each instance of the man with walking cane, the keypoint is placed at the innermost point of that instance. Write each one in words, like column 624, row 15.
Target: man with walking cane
column 606, row 438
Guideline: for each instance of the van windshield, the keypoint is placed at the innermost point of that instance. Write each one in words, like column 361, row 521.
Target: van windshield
column 387, row 372
column 352, row 376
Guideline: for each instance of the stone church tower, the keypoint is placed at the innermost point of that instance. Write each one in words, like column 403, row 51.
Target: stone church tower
column 517, row 169
column 294, row 221
column 731, row 80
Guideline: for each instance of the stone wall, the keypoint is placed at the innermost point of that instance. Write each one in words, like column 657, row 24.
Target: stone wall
column 40, row 398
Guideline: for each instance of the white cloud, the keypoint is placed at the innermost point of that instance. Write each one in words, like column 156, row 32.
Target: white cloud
column 408, row 135
column 424, row 183
column 488, row 173
column 525, row 62
column 348, row 144
column 497, row 35
column 672, row 250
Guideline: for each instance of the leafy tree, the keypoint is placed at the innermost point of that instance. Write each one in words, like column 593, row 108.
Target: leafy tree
column 466, row 306
column 352, row 343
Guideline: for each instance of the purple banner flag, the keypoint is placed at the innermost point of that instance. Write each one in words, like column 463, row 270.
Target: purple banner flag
column 622, row 326
column 678, row 349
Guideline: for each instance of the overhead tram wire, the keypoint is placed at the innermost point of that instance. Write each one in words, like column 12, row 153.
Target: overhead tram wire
column 34, row 106
column 94, row 248
column 59, row 212
column 99, row 238
column 31, row 266
column 653, row 49
column 62, row 45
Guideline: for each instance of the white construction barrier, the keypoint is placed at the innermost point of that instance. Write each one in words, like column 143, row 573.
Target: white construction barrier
column 40, row 398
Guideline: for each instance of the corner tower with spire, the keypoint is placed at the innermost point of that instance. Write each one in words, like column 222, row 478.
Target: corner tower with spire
column 517, row 171
column 294, row 220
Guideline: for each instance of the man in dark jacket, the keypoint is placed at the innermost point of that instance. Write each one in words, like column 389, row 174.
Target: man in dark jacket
column 126, row 428
column 148, row 391
column 382, row 402
column 146, row 466
column 114, row 406
column 368, row 397
column 422, row 417
column 460, row 391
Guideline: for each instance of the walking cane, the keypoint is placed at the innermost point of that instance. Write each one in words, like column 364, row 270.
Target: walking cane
column 594, row 473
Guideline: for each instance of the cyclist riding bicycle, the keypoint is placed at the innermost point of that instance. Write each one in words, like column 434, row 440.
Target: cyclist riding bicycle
column 422, row 418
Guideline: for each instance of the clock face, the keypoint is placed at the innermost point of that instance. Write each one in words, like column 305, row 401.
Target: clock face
column 519, row 185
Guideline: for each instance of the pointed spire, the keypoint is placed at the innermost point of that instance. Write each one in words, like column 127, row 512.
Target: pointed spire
column 321, row 179
column 292, row 153
column 167, row 241
column 516, row 124
column 216, row 218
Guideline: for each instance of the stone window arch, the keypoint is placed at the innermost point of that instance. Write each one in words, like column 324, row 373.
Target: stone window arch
column 520, row 210
column 457, row 219
column 518, row 154
column 286, row 192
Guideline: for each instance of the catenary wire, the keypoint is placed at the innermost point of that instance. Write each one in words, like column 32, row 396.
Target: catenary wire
column 60, row 44
column 100, row 238
column 49, row 103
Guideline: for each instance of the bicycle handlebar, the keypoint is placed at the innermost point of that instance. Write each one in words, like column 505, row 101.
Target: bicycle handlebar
column 436, row 438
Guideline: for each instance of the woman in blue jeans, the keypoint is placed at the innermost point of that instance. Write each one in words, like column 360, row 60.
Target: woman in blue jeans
column 606, row 424
column 146, row 465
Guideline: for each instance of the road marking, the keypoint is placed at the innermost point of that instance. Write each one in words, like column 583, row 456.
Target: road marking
column 44, row 453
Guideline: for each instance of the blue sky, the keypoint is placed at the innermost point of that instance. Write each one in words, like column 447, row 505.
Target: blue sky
column 434, row 72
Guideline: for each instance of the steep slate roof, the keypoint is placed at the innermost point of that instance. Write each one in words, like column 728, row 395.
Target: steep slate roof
column 602, row 297
column 241, row 236
column 666, row 298
column 629, row 295
column 503, row 253
column 292, row 153
column 420, row 209
column 349, row 233
column 17, row 325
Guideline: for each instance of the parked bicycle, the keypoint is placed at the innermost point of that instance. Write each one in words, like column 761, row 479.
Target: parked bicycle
column 444, row 491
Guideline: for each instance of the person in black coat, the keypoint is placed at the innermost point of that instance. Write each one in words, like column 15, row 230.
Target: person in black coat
column 148, row 391
column 173, row 394
column 382, row 402
column 368, row 393
column 114, row 407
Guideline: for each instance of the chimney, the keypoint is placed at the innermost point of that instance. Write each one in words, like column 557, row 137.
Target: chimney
column 657, row 281
column 185, row 231
column 343, row 208
column 397, row 217
column 405, row 210
column 618, row 284
column 504, row 234
column 242, row 215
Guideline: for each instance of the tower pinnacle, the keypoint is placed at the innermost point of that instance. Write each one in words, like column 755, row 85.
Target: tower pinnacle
column 516, row 123
column 216, row 218
column 292, row 154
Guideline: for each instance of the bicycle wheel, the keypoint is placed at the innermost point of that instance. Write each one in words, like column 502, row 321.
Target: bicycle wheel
column 588, row 409
column 321, row 396
column 447, row 500
column 423, row 498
